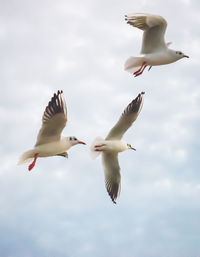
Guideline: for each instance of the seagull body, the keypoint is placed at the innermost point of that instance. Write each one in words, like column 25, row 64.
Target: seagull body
column 54, row 148
column 113, row 144
column 154, row 48
column 49, row 140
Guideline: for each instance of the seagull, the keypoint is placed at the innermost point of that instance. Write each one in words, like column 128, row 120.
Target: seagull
column 154, row 48
column 113, row 144
column 49, row 140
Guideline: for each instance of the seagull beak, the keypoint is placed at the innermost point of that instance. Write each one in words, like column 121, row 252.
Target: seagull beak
column 82, row 143
column 133, row 148
column 186, row 56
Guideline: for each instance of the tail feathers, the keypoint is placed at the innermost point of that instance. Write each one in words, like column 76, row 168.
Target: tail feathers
column 132, row 64
column 94, row 154
column 26, row 157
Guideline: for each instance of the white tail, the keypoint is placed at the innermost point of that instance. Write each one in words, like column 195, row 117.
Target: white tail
column 132, row 64
column 26, row 157
column 94, row 154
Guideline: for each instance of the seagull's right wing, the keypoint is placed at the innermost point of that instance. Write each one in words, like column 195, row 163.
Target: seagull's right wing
column 154, row 27
column 127, row 118
column 53, row 121
column 112, row 174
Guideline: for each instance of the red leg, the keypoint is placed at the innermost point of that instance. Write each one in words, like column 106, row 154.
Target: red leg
column 98, row 147
column 141, row 67
column 30, row 167
column 141, row 71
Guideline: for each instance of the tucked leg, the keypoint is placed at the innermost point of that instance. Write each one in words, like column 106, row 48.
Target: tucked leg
column 137, row 73
column 140, row 69
column 99, row 148
column 64, row 154
column 30, row 167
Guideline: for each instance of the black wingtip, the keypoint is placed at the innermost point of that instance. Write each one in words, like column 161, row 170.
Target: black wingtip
column 114, row 201
column 142, row 93
column 59, row 92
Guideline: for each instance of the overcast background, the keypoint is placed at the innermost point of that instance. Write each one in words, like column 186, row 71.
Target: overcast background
column 61, row 208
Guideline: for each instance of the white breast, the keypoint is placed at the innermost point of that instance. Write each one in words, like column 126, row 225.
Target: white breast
column 160, row 58
column 53, row 148
column 116, row 145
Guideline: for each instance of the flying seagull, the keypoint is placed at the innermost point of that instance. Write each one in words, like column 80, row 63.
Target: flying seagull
column 113, row 144
column 49, row 140
column 154, row 48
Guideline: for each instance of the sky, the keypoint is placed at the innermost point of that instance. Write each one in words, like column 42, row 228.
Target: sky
column 61, row 208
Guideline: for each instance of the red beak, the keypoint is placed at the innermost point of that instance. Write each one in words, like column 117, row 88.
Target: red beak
column 82, row 143
column 186, row 56
column 133, row 149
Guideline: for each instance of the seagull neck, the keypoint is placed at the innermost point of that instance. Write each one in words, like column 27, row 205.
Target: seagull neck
column 65, row 141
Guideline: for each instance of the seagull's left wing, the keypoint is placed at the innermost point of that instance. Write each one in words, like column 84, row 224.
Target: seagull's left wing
column 154, row 27
column 127, row 118
column 53, row 121
column 112, row 174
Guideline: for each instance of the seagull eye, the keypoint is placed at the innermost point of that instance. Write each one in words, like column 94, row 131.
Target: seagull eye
column 75, row 138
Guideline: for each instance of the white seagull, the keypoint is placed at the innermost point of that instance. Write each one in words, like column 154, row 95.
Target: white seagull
column 113, row 144
column 49, row 140
column 154, row 48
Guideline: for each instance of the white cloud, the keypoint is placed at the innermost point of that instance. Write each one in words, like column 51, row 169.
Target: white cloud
column 62, row 207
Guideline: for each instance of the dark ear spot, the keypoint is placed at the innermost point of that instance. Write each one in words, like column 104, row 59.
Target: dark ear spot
column 70, row 138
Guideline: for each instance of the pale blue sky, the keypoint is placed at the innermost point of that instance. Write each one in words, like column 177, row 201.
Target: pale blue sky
column 61, row 208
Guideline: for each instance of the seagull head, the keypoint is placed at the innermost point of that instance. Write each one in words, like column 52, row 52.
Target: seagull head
column 180, row 55
column 75, row 141
column 130, row 147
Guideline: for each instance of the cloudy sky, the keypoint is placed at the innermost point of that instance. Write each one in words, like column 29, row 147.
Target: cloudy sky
column 61, row 208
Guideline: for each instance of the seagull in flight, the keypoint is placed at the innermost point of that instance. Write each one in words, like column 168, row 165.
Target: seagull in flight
column 49, row 140
column 154, row 49
column 113, row 144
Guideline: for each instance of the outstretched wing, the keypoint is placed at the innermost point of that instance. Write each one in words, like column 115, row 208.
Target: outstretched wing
column 127, row 118
column 112, row 174
column 154, row 27
column 53, row 121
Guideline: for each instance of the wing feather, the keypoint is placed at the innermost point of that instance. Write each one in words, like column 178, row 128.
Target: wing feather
column 112, row 174
column 54, row 120
column 154, row 27
column 127, row 118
